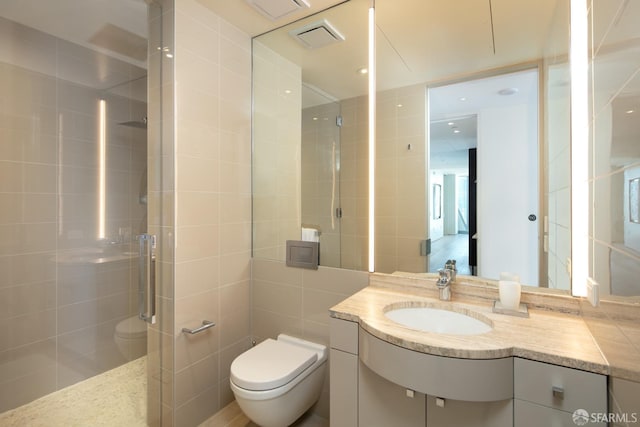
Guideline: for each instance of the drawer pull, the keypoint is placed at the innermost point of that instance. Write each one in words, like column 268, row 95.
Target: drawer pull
column 558, row 392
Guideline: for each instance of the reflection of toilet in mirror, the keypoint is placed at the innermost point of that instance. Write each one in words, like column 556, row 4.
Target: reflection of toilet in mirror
column 277, row 381
column 130, row 336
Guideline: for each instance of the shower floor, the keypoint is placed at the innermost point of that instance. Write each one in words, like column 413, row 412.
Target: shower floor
column 115, row 398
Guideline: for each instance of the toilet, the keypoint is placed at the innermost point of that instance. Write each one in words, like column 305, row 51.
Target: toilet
column 277, row 381
column 131, row 337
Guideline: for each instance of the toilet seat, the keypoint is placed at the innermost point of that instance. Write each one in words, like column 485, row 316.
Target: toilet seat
column 131, row 328
column 271, row 364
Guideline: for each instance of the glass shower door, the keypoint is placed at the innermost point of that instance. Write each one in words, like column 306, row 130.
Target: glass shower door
column 73, row 195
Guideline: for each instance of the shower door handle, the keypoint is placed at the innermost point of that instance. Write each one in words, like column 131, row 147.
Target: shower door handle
column 147, row 278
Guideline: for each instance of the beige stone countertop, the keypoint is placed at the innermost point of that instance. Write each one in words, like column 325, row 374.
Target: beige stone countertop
column 547, row 336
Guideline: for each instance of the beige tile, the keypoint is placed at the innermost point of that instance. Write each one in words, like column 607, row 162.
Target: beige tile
column 237, row 148
column 276, row 272
column 228, row 355
column 197, row 276
column 199, row 408
column 198, row 139
column 235, row 237
column 281, row 299
column 235, row 327
column 235, row 177
column 197, row 106
column 196, row 36
column 197, row 242
column 317, row 304
column 198, row 208
column 192, row 310
column 197, row 174
column 235, row 268
column 196, row 378
column 267, row 324
column 235, row 208
column 199, row 71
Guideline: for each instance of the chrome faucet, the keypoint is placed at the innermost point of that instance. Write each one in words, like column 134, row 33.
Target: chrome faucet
column 447, row 277
column 451, row 265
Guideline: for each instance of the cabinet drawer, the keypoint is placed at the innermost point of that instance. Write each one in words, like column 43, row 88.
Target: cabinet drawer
column 344, row 335
column 574, row 389
column 527, row 414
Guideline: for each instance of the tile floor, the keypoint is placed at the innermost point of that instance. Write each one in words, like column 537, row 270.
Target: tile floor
column 116, row 398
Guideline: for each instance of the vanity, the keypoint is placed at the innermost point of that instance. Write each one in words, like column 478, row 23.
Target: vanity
column 534, row 371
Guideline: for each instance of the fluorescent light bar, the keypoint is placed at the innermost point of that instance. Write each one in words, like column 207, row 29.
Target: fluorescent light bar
column 579, row 148
column 102, row 165
column 372, row 133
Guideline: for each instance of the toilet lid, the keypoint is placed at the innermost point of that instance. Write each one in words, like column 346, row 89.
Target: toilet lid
column 270, row 364
column 133, row 327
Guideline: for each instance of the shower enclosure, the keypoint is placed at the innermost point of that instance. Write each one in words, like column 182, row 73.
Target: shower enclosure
column 74, row 146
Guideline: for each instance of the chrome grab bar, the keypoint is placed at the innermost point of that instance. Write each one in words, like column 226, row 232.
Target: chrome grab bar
column 147, row 278
column 206, row 324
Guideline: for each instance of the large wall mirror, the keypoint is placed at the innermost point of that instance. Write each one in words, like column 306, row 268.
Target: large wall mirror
column 310, row 136
column 512, row 61
column 474, row 100
column 615, row 150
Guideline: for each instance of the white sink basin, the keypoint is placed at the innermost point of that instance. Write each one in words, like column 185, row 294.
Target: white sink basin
column 441, row 321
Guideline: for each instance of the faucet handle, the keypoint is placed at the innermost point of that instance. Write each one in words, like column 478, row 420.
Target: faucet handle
column 445, row 274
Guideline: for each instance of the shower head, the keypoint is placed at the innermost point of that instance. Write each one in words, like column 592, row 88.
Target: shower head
column 141, row 124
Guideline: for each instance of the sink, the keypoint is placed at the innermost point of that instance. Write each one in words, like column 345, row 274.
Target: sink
column 438, row 320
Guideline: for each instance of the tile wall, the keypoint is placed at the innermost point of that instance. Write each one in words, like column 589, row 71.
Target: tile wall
column 354, row 183
column 277, row 130
column 320, row 178
column 296, row 302
column 401, row 179
column 212, row 78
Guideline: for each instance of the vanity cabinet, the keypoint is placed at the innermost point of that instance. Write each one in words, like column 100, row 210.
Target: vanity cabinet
column 546, row 394
column 343, row 371
column 382, row 403
column 376, row 383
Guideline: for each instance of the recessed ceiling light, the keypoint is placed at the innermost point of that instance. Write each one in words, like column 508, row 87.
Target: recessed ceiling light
column 362, row 70
column 451, row 123
column 463, row 99
column 287, row 91
column 630, row 111
column 399, row 105
column 456, row 131
column 508, row 91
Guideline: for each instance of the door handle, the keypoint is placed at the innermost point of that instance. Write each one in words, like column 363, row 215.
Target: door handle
column 147, row 278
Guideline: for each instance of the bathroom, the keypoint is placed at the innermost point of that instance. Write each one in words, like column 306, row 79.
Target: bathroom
column 200, row 208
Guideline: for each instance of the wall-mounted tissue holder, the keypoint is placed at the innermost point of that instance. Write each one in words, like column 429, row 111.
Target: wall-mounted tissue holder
column 303, row 254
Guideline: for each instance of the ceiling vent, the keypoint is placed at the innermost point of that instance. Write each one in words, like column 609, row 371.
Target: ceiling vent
column 276, row 9
column 317, row 34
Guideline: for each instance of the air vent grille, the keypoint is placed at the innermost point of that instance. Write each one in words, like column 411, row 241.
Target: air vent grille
column 317, row 34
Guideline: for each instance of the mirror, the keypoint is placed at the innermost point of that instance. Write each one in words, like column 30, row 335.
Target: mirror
column 459, row 67
column 615, row 152
column 309, row 136
column 332, row 77
column 325, row 189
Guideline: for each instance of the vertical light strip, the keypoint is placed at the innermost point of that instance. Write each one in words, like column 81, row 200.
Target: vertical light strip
column 102, row 164
column 579, row 148
column 372, row 133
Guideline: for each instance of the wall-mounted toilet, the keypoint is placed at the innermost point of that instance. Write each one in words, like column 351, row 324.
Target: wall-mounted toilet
column 130, row 336
column 277, row 381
